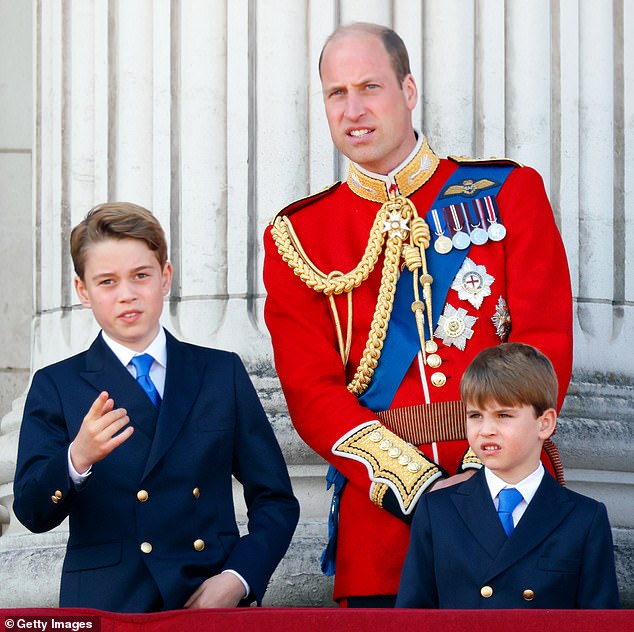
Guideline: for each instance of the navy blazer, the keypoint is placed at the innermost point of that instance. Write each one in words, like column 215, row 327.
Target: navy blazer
column 559, row 556
column 156, row 516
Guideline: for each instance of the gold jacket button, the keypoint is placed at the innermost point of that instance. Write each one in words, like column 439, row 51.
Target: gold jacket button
column 56, row 497
column 438, row 379
column 199, row 545
column 196, row 492
column 434, row 360
column 486, row 591
column 142, row 495
column 528, row 594
column 146, row 547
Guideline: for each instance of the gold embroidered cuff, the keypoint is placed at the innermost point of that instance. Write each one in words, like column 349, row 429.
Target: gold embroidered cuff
column 470, row 461
column 391, row 462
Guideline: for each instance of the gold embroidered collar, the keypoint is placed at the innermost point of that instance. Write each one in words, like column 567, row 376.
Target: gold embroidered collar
column 408, row 177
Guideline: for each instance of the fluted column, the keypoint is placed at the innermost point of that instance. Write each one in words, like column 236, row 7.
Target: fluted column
column 210, row 114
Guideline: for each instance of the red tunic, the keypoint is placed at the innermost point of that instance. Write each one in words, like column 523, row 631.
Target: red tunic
column 530, row 272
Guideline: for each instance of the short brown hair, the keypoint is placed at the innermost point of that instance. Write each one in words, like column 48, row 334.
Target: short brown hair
column 393, row 44
column 511, row 374
column 116, row 220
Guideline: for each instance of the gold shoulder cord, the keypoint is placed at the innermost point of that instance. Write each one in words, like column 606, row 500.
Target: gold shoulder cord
column 391, row 220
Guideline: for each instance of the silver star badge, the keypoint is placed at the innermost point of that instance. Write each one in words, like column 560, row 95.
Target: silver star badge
column 455, row 327
column 396, row 225
column 472, row 283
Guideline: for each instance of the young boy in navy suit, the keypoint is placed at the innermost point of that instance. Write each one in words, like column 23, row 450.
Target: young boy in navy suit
column 480, row 545
column 136, row 441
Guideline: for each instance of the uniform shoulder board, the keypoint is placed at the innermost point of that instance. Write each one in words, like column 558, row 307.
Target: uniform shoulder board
column 466, row 160
column 301, row 203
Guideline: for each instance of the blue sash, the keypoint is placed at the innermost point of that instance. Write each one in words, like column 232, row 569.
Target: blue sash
column 402, row 342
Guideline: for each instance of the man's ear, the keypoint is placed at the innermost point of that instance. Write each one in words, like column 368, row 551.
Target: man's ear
column 80, row 288
column 410, row 91
column 547, row 423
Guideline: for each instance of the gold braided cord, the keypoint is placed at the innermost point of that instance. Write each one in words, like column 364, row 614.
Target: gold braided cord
column 335, row 283
column 382, row 313
column 293, row 254
column 344, row 347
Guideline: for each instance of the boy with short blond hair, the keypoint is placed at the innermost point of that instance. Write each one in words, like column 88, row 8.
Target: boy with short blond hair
column 136, row 441
column 510, row 536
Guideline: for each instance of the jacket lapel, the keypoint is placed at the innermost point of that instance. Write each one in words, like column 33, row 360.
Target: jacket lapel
column 182, row 384
column 105, row 372
column 473, row 502
column 544, row 514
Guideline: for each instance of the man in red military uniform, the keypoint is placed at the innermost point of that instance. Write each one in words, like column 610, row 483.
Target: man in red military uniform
column 383, row 288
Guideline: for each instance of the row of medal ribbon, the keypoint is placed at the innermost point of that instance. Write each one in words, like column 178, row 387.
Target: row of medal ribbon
column 460, row 225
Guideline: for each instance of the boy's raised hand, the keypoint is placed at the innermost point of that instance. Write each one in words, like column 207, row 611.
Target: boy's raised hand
column 96, row 438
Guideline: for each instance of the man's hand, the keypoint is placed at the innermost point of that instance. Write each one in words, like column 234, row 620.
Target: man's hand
column 453, row 480
column 220, row 591
column 96, row 438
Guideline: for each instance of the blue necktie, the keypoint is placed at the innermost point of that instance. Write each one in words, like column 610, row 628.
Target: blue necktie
column 142, row 364
column 508, row 499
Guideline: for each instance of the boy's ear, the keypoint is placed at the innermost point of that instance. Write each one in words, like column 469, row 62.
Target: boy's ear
column 167, row 277
column 80, row 288
column 547, row 423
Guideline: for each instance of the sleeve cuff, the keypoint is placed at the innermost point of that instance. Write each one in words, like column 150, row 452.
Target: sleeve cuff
column 392, row 464
column 79, row 480
column 247, row 589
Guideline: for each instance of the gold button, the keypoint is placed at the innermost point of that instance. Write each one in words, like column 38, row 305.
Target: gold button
column 438, row 379
column 486, row 591
column 528, row 594
column 196, row 492
column 199, row 545
column 55, row 499
column 434, row 360
column 431, row 346
column 58, row 495
column 146, row 547
column 142, row 495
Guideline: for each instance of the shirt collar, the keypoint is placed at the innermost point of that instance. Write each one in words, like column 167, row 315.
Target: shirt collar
column 527, row 486
column 157, row 349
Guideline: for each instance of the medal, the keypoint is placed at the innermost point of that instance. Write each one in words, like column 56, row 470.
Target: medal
column 396, row 225
column 455, row 327
column 459, row 239
column 496, row 230
column 442, row 244
column 479, row 235
column 473, row 283
column 502, row 319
